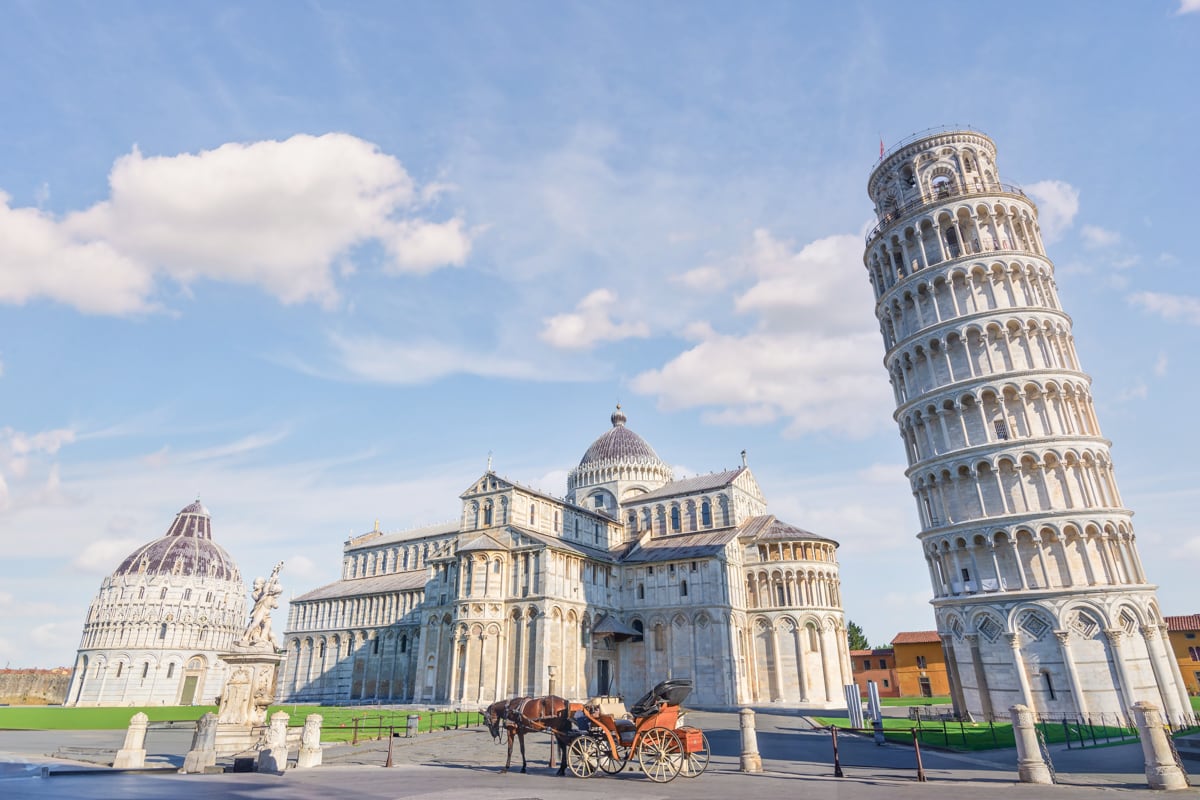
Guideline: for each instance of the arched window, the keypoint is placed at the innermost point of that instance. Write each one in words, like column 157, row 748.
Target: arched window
column 120, row 668
column 532, row 515
column 375, row 646
column 170, row 670
column 706, row 514
column 641, row 592
column 321, row 650
column 660, row 637
column 676, row 523
column 163, row 594
column 641, row 631
column 404, row 642
column 162, row 631
column 487, row 513
column 683, row 589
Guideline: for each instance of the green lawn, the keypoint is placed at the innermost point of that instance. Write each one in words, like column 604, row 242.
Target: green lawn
column 914, row 701
column 982, row 735
column 1196, row 703
column 338, row 721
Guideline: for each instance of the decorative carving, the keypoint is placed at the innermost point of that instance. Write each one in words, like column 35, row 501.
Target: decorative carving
column 266, row 597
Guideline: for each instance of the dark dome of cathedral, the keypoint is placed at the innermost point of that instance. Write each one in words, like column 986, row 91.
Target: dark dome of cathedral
column 619, row 444
column 186, row 549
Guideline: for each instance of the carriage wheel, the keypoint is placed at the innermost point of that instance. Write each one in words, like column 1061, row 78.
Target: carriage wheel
column 583, row 756
column 661, row 754
column 695, row 762
column 613, row 761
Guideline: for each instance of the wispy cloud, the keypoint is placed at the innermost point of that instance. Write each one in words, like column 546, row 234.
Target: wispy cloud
column 1058, row 203
column 1184, row 308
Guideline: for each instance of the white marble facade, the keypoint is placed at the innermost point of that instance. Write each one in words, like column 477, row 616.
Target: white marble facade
column 633, row 578
column 1039, row 592
column 153, row 632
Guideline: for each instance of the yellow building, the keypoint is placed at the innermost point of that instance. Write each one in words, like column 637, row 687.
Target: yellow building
column 1184, row 633
column 920, row 664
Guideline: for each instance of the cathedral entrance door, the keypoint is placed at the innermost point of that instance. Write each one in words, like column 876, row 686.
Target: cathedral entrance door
column 189, row 691
column 603, row 676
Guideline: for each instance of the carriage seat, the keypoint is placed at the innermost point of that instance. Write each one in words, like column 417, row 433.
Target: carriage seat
column 624, row 729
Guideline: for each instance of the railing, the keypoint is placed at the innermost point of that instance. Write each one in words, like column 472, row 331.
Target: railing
column 940, row 194
column 905, row 142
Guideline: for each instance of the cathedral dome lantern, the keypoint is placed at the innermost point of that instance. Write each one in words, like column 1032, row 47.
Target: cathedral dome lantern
column 618, row 463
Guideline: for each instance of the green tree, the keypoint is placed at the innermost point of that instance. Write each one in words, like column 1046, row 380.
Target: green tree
column 856, row 637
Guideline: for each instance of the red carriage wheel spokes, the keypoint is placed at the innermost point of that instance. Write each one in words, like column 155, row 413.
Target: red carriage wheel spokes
column 696, row 761
column 661, row 754
column 583, row 756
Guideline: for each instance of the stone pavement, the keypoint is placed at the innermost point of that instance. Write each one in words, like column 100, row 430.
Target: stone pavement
column 797, row 760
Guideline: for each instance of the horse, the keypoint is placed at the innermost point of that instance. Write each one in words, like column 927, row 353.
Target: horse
column 522, row 715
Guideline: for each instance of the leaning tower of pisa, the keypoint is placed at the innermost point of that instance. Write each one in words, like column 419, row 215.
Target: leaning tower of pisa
column 1039, row 593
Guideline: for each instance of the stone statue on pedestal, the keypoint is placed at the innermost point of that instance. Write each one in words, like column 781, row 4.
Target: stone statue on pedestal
column 266, row 598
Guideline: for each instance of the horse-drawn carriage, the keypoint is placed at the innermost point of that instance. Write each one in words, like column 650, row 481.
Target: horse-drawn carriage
column 651, row 733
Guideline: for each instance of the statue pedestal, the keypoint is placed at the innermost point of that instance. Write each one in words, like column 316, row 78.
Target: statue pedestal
column 249, row 691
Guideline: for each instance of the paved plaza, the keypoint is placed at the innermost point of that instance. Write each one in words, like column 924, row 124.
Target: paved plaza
column 797, row 761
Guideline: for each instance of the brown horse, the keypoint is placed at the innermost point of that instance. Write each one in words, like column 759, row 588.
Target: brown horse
column 522, row 715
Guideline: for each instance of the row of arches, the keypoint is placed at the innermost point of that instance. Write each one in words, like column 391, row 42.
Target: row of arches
column 993, row 414
column 949, row 233
column 682, row 516
column 649, row 471
column 796, row 659
column 348, row 612
column 159, row 634
column 964, row 290
column 1021, row 558
column 1010, row 484
column 980, row 351
column 792, row 588
column 387, row 560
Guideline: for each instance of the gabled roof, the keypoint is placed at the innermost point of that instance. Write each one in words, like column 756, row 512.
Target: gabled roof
column 697, row 483
column 380, row 584
column 482, row 541
column 598, row 553
column 1190, row 622
column 917, row 637
column 429, row 531
column 681, row 546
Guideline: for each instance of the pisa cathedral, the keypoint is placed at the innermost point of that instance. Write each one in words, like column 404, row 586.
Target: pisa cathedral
column 634, row 577
column 159, row 621
column 1039, row 592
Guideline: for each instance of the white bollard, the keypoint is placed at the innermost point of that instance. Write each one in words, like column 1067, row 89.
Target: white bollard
column 751, row 761
column 273, row 757
column 1161, row 770
column 310, row 743
column 204, row 745
column 1031, row 767
column 132, row 754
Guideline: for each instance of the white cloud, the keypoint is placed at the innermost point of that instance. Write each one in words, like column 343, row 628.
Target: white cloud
column 376, row 359
column 1188, row 6
column 1095, row 237
column 1160, row 365
column 590, row 323
column 813, row 357
column 101, row 556
column 1058, row 203
column 1169, row 306
column 272, row 214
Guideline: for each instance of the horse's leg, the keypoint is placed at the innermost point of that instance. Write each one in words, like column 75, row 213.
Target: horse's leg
column 562, row 753
column 521, row 737
column 508, row 761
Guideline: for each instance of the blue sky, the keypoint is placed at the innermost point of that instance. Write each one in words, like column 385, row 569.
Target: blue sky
column 313, row 262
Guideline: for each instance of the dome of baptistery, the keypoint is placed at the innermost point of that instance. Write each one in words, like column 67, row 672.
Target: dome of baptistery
column 619, row 444
column 154, row 633
column 186, row 548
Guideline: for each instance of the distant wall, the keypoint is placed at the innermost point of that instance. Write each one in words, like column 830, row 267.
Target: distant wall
column 33, row 687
